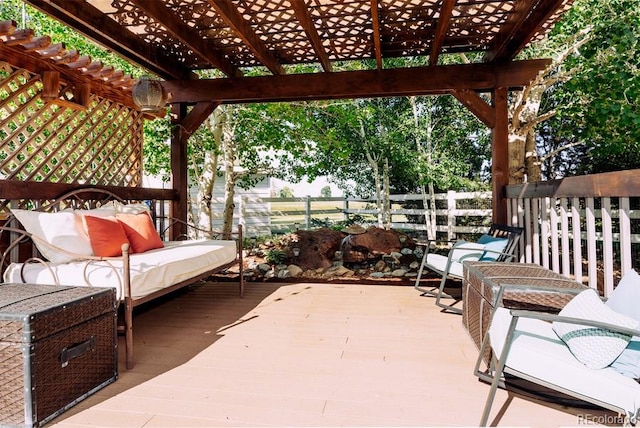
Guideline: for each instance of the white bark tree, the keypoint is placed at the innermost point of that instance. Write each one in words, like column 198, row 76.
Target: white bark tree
column 524, row 114
column 426, row 151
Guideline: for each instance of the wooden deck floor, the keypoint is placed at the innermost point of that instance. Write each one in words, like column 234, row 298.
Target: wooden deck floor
column 302, row 355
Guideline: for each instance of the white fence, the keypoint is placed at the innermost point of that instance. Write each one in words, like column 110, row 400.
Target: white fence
column 458, row 213
column 585, row 227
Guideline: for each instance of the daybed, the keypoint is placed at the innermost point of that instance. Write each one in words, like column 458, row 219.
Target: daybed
column 76, row 244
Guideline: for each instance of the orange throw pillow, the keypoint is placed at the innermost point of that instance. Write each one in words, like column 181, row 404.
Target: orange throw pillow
column 140, row 231
column 106, row 235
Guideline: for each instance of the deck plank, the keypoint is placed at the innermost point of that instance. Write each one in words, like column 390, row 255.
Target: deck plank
column 301, row 355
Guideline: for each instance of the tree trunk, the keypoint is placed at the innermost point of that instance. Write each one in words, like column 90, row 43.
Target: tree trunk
column 373, row 162
column 377, row 184
column 432, row 212
column 428, row 192
column 524, row 164
column 387, row 196
column 207, row 177
column 531, row 159
column 229, row 186
column 524, row 112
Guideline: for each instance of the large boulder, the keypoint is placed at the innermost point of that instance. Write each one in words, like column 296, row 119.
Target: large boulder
column 317, row 247
column 372, row 244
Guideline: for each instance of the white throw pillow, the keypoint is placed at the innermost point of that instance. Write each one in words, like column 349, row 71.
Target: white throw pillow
column 60, row 229
column 596, row 348
column 625, row 300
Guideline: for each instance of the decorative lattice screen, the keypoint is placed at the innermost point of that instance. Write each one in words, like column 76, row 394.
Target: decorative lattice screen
column 44, row 141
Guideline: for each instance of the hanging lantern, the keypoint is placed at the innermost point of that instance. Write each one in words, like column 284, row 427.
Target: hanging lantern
column 147, row 93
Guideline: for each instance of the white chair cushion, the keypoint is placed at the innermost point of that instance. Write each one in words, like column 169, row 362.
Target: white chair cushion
column 438, row 263
column 461, row 251
column 625, row 300
column 538, row 352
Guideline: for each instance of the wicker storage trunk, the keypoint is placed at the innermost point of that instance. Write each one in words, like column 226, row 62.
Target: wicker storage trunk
column 482, row 280
column 58, row 345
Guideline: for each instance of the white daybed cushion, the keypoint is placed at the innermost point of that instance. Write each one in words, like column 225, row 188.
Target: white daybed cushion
column 538, row 352
column 150, row 271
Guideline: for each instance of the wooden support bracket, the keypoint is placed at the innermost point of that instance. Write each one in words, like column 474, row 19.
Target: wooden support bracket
column 51, row 92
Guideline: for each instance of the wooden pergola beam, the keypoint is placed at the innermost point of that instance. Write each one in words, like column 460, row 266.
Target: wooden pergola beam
column 21, row 58
column 441, row 30
column 88, row 20
column 521, row 27
column 302, row 12
column 198, row 114
column 187, row 35
column 476, row 105
column 179, row 167
column 229, row 13
column 433, row 80
column 375, row 23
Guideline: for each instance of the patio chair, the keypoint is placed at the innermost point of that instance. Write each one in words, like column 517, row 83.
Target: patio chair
column 530, row 350
column 589, row 351
column 498, row 244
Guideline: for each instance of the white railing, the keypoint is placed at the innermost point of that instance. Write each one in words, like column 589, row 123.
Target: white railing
column 583, row 227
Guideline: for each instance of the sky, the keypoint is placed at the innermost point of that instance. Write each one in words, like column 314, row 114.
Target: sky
column 300, row 190
column 308, row 189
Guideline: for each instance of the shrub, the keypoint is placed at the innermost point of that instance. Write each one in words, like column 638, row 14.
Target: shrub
column 275, row 256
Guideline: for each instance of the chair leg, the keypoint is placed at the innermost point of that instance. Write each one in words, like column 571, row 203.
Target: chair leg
column 425, row 291
column 441, row 294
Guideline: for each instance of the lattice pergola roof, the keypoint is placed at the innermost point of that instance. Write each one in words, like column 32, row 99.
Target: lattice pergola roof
column 37, row 53
column 175, row 37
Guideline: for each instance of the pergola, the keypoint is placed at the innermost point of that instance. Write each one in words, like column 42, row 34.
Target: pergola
column 175, row 39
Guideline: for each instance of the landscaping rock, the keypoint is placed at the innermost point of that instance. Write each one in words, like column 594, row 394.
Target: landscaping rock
column 398, row 273
column 327, row 253
column 294, row 271
column 317, row 247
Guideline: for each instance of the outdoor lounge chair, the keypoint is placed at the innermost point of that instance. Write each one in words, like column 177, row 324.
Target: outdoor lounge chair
column 589, row 351
column 530, row 350
column 498, row 244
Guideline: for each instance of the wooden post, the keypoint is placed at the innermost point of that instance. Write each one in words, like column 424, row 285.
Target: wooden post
column 82, row 94
column 50, row 85
column 500, row 155
column 179, row 164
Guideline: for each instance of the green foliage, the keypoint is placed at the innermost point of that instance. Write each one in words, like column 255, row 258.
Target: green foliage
column 157, row 148
column 276, row 256
column 285, row 192
column 598, row 108
column 325, row 192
